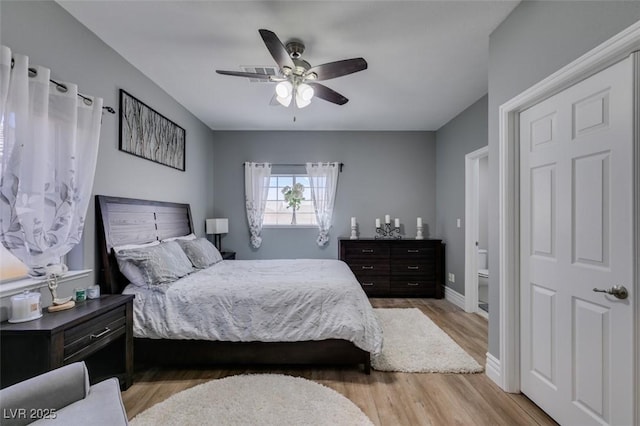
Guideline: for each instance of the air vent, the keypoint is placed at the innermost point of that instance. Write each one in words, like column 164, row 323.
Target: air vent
column 268, row 70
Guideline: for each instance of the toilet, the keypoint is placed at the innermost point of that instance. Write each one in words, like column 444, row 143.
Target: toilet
column 483, row 277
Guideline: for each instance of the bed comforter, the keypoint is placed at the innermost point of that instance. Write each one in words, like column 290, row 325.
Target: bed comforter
column 284, row 300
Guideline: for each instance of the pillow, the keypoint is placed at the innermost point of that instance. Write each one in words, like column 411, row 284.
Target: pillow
column 201, row 252
column 128, row 268
column 182, row 237
column 159, row 264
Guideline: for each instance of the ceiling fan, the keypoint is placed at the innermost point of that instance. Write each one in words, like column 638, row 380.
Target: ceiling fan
column 298, row 79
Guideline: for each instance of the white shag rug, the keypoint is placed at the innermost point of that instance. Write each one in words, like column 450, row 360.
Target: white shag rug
column 414, row 344
column 255, row 399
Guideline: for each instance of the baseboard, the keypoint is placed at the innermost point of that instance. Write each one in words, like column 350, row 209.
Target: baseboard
column 492, row 369
column 454, row 297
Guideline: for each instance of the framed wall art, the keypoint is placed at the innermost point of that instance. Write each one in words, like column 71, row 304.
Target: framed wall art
column 148, row 134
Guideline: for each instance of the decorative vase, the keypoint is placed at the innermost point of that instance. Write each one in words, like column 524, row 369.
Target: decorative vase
column 293, row 216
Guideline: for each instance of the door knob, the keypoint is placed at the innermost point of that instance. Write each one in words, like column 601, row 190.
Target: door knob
column 618, row 291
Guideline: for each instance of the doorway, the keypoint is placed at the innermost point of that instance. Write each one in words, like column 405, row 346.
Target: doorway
column 476, row 272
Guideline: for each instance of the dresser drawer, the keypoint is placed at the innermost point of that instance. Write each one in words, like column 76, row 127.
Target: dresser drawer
column 366, row 251
column 88, row 337
column 413, row 252
column 361, row 268
column 417, row 269
column 374, row 285
column 412, row 284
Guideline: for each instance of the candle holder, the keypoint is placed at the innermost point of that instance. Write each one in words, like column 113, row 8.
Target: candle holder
column 387, row 232
column 419, row 234
column 354, row 234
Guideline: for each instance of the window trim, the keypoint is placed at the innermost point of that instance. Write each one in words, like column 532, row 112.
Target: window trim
column 296, row 226
column 9, row 288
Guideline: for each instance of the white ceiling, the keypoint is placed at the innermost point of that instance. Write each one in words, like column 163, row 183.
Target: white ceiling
column 427, row 59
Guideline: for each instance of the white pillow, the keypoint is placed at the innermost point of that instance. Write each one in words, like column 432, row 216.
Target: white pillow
column 201, row 252
column 129, row 269
column 182, row 237
column 159, row 264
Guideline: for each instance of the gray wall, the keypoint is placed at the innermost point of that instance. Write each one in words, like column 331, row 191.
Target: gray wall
column 464, row 134
column 52, row 38
column 384, row 172
column 537, row 39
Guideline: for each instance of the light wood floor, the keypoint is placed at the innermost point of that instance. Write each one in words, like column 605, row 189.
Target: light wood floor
column 387, row 398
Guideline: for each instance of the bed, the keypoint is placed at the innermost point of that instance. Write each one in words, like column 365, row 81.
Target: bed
column 282, row 312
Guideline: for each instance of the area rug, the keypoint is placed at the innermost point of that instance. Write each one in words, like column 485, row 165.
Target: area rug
column 415, row 344
column 254, row 399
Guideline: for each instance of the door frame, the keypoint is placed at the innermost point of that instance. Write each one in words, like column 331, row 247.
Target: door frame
column 472, row 226
column 611, row 51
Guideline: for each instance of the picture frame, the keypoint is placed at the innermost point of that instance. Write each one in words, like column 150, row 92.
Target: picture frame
column 146, row 133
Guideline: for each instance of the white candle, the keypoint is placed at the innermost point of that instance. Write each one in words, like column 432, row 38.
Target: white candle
column 353, row 221
column 397, row 223
column 378, row 223
column 387, row 218
column 419, row 222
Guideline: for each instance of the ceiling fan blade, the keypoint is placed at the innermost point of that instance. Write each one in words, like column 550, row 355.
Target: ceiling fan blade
column 323, row 92
column 277, row 49
column 245, row 74
column 337, row 69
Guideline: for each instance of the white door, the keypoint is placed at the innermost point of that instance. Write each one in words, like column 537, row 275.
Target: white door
column 576, row 197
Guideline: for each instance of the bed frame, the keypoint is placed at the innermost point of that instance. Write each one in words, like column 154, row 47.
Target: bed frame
column 132, row 221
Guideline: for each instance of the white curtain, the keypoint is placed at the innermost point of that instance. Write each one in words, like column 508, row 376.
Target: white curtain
column 323, row 182
column 256, row 190
column 49, row 151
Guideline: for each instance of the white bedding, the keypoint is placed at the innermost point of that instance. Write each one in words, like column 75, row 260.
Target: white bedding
column 284, row 300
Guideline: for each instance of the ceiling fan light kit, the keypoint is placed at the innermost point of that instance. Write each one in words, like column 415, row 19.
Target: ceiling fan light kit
column 297, row 76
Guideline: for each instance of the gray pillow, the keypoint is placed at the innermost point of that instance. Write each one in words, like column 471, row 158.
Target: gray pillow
column 160, row 264
column 201, row 252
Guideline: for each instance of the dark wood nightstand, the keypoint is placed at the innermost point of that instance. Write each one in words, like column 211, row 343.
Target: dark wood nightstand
column 96, row 331
column 228, row 255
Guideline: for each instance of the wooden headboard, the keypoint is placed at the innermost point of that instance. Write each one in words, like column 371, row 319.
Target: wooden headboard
column 121, row 221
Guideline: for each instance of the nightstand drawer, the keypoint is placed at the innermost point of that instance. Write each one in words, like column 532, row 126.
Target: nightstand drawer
column 86, row 338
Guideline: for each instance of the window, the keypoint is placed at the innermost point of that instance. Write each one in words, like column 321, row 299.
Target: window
column 276, row 211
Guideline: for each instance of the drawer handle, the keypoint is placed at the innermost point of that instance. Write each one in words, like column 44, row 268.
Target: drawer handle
column 413, row 267
column 368, row 284
column 413, row 251
column 367, row 267
column 413, row 284
column 367, row 250
column 99, row 335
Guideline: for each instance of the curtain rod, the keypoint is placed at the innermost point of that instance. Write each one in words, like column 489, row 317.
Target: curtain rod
column 34, row 72
column 295, row 165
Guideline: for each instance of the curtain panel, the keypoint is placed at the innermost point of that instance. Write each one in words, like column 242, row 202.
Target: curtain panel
column 49, row 151
column 323, row 182
column 256, row 190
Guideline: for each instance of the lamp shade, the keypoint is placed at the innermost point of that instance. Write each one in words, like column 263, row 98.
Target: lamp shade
column 217, row 226
column 284, row 93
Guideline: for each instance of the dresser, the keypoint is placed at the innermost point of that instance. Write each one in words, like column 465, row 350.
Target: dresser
column 397, row 268
column 96, row 331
